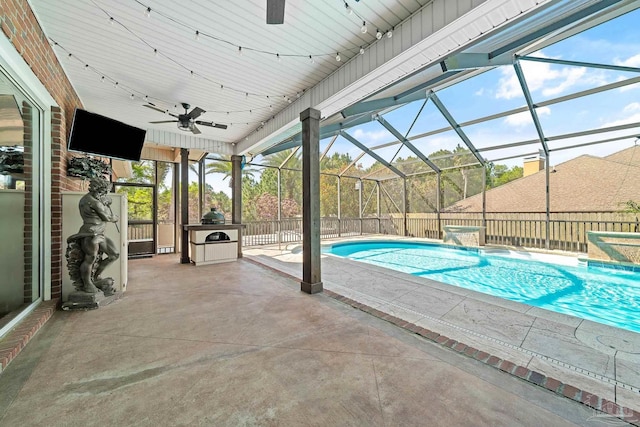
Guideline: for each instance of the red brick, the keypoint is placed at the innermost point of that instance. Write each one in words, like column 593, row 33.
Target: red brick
column 507, row 366
column 494, row 361
column 450, row 343
column 521, row 372
column 470, row 351
column 571, row 392
column 591, row 400
column 442, row 339
column 481, row 356
column 611, row 408
column 460, row 347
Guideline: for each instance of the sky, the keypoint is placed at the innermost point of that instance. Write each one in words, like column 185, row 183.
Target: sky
column 616, row 42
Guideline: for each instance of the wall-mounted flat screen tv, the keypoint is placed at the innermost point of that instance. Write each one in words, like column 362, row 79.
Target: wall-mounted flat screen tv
column 95, row 134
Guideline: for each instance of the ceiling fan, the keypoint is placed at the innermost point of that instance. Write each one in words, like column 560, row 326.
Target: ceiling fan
column 275, row 11
column 186, row 121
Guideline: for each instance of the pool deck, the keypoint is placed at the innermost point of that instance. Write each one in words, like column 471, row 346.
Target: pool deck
column 592, row 357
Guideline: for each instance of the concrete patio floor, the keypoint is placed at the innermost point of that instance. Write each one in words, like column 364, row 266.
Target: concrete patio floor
column 593, row 357
column 239, row 344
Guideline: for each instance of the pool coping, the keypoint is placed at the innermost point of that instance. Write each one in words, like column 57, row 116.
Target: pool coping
column 538, row 379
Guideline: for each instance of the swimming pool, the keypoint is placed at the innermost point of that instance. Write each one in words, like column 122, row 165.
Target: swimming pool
column 601, row 294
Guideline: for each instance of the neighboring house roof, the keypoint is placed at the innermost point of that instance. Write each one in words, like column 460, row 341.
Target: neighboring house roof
column 586, row 183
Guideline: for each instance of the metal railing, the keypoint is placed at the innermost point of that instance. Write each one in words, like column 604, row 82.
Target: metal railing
column 567, row 231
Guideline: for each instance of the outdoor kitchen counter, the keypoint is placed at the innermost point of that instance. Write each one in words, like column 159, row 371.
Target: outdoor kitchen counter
column 203, row 250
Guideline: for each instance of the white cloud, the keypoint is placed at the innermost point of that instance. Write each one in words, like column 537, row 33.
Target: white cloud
column 524, row 118
column 633, row 61
column 633, row 118
column 479, row 92
column 571, row 77
column 634, row 106
column 540, row 76
column 368, row 137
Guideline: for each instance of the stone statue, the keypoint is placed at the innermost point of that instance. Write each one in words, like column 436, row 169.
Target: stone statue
column 89, row 251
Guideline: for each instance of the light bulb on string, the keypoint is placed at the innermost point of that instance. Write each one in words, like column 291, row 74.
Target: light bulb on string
column 115, row 85
column 147, row 12
column 378, row 34
column 389, row 34
column 69, row 57
column 338, row 57
column 311, row 60
column 155, row 52
column 197, row 36
column 279, row 58
column 192, row 73
column 363, row 29
column 348, row 8
column 86, row 66
column 240, row 50
column 146, row 98
column 102, row 79
column 111, row 20
column 270, row 107
column 132, row 96
column 361, row 50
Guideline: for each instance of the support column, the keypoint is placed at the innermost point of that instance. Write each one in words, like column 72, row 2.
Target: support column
column 360, row 189
column 339, row 208
column 311, row 277
column 378, row 202
column 236, row 197
column 236, row 189
column 439, row 203
column 547, row 242
column 184, row 205
column 405, row 205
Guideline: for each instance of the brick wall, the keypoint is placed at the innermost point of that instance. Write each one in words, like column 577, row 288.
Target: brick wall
column 21, row 27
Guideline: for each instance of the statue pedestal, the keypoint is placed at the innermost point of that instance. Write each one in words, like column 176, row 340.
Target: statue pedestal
column 79, row 300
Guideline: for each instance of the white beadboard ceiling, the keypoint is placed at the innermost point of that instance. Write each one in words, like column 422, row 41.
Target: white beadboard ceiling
column 258, row 95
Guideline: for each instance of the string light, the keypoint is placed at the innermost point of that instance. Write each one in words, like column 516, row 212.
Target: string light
column 197, row 36
column 111, row 20
column 390, row 33
column 311, row 60
column 361, row 50
column 132, row 96
column 348, row 8
column 279, row 59
column 69, row 57
column 155, row 52
column 147, row 12
column 363, row 29
column 131, row 91
column 378, row 34
column 338, row 57
column 240, row 50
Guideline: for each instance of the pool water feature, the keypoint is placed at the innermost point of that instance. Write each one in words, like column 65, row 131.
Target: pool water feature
column 601, row 294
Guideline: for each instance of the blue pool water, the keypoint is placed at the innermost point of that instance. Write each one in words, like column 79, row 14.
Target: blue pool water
column 601, row 294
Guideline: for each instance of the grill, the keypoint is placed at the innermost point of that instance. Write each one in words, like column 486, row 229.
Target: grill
column 212, row 217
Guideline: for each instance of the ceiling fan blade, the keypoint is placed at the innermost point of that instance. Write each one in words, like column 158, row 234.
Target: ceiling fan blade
column 153, row 107
column 275, row 11
column 194, row 129
column 196, row 112
column 211, row 124
column 165, row 121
